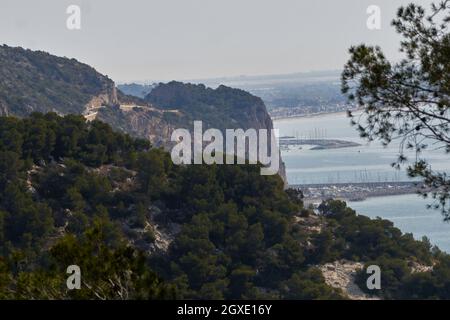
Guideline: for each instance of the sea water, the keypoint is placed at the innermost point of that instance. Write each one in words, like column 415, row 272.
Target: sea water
column 365, row 163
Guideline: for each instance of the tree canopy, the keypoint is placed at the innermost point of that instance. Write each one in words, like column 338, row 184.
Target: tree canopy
column 408, row 101
column 139, row 227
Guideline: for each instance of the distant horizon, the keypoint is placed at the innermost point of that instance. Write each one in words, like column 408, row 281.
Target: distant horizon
column 160, row 40
column 188, row 80
column 229, row 78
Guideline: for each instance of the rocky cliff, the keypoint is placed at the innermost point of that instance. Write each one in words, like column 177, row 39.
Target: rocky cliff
column 37, row 81
column 221, row 108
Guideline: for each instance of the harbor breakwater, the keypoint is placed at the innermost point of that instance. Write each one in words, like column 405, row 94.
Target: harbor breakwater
column 314, row 193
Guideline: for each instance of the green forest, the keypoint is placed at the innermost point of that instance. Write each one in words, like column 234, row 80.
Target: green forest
column 220, row 108
column 139, row 227
column 38, row 81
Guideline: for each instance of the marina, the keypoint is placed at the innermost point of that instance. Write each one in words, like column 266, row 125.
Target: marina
column 314, row 193
column 318, row 144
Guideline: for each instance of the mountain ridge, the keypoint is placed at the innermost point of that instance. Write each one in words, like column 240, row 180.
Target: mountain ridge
column 36, row 81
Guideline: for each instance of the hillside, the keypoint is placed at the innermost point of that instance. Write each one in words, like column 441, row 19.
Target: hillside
column 37, row 81
column 220, row 108
column 79, row 193
column 134, row 89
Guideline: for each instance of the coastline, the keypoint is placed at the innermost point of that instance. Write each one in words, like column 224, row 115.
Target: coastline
column 310, row 115
column 353, row 192
column 367, row 197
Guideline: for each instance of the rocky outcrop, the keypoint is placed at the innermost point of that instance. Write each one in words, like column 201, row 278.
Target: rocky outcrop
column 37, row 81
column 417, row 267
column 106, row 98
column 341, row 275
column 222, row 108
column 139, row 121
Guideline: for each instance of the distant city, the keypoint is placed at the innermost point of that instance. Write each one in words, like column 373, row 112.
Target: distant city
column 288, row 95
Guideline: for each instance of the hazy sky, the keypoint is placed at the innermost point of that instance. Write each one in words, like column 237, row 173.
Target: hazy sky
column 186, row 39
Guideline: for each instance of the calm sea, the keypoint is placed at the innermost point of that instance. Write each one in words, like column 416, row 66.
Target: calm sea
column 366, row 163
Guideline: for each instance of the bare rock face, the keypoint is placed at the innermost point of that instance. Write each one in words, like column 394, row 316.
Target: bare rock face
column 106, row 98
column 222, row 108
column 341, row 275
column 418, row 268
column 33, row 81
column 142, row 121
column 37, row 81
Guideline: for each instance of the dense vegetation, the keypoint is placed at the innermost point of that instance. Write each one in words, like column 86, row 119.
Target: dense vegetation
column 38, row 81
column 221, row 108
column 408, row 100
column 399, row 257
column 79, row 193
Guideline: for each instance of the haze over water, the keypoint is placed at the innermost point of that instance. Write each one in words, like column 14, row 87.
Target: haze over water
column 366, row 163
